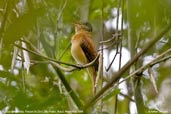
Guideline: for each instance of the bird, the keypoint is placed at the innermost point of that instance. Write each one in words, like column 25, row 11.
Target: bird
column 83, row 49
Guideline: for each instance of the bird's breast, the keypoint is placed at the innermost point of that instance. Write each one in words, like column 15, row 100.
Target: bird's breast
column 78, row 53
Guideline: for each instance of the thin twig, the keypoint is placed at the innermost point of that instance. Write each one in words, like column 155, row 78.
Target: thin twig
column 67, row 47
column 161, row 60
column 153, row 62
column 45, row 57
column 75, row 68
column 126, row 96
column 5, row 16
column 57, row 63
column 111, row 39
column 56, row 30
column 107, row 69
column 117, row 51
column 110, row 45
column 100, row 69
column 61, row 11
column 119, row 74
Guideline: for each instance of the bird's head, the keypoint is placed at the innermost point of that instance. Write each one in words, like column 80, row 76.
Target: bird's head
column 83, row 26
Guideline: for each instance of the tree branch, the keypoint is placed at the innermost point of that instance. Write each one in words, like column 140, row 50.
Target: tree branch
column 128, row 65
column 153, row 62
column 57, row 63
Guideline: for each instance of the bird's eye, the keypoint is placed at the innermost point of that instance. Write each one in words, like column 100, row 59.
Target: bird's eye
column 88, row 27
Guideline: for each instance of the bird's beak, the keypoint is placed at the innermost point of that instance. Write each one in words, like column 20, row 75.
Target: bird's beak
column 77, row 24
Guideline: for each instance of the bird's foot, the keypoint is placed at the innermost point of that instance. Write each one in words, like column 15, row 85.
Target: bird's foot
column 80, row 66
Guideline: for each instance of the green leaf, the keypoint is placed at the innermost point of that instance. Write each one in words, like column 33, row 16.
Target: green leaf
column 22, row 25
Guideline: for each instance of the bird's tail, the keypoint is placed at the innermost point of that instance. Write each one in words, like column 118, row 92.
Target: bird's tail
column 93, row 75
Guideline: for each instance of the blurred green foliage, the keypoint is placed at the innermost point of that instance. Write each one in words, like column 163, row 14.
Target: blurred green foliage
column 48, row 25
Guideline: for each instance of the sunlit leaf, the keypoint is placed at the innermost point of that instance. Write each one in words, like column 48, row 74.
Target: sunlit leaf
column 15, row 52
column 26, row 58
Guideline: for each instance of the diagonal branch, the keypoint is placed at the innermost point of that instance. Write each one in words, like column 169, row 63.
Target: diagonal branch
column 57, row 63
column 157, row 60
column 128, row 65
column 45, row 57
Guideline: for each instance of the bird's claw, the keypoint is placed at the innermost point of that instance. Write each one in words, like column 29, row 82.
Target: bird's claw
column 80, row 66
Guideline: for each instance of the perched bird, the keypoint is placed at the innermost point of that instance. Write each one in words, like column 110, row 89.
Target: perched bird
column 83, row 49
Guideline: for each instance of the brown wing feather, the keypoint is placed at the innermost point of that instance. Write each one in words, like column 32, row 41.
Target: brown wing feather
column 89, row 51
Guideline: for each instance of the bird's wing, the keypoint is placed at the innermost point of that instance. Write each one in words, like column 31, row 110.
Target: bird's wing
column 89, row 50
